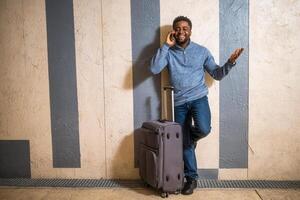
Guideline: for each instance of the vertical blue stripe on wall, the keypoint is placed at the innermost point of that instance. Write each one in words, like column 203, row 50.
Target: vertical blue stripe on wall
column 145, row 32
column 62, row 83
column 234, row 89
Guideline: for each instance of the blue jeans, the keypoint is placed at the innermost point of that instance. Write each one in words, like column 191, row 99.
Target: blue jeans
column 199, row 111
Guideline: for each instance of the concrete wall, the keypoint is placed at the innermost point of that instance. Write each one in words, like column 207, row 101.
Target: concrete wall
column 103, row 66
column 274, row 116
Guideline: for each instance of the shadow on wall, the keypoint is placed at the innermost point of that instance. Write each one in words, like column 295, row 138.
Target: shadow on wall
column 122, row 163
column 145, row 85
column 209, row 80
column 141, row 66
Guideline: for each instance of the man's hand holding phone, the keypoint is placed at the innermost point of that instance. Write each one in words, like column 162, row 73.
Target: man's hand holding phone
column 170, row 41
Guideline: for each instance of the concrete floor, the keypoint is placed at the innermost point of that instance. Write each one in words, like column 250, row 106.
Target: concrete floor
column 18, row 193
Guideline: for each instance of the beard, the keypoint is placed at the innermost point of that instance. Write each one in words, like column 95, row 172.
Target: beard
column 182, row 39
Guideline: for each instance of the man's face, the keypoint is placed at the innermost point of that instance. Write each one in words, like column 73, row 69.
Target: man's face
column 182, row 32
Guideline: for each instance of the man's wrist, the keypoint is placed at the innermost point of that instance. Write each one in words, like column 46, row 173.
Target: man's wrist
column 169, row 45
column 165, row 46
column 231, row 62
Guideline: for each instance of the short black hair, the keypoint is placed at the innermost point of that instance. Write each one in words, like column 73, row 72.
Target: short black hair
column 182, row 18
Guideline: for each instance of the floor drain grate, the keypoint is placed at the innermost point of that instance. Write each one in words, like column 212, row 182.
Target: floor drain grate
column 248, row 184
column 104, row 183
column 110, row 183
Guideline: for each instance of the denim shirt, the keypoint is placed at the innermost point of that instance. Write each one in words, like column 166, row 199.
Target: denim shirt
column 187, row 68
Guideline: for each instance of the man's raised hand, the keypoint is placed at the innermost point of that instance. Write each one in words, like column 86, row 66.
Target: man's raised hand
column 235, row 55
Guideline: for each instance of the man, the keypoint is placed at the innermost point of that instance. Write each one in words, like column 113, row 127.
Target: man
column 187, row 63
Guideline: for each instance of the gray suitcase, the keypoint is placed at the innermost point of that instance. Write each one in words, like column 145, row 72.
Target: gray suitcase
column 159, row 154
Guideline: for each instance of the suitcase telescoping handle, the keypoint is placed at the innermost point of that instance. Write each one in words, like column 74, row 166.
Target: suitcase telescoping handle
column 164, row 104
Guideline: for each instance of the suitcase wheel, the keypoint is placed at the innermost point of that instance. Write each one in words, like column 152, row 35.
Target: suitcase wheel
column 177, row 192
column 164, row 195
